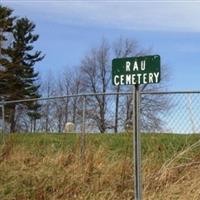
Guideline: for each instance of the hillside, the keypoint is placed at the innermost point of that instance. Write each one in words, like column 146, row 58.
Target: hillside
column 48, row 166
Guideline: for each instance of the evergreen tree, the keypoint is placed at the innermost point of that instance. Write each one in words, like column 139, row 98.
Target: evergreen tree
column 6, row 27
column 6, row 76
column 23, row 53
column 18, row 77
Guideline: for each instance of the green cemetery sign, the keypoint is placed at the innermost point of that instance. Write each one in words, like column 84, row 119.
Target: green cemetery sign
column 136, row 70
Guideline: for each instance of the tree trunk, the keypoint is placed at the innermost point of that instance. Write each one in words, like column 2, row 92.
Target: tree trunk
column 60, row 122
column 31, row 126
column 102, row 125
column 34, row 125
column 66, row 110
column 129, row 109
column 12, row 120
column 74, row 111
column 47, row 119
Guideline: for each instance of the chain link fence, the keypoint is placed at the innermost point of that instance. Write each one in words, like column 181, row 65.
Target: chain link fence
column 173, row 112
column 160, row 112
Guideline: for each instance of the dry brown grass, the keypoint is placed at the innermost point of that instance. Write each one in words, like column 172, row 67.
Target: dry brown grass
column 103, row 175
column 175, row 179
column 62, row 175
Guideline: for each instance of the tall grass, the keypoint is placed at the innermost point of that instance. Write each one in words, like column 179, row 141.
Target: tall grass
column 48, row 166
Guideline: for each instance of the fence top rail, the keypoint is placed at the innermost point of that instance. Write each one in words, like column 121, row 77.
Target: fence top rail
column 98, row 94
column 65, row 96
column 171, row 92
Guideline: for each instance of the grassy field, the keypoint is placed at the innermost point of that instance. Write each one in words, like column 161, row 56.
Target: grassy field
column 48, row 167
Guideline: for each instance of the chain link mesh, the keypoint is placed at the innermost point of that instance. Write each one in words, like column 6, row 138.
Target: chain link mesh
column 159, row 113
column 179, row 114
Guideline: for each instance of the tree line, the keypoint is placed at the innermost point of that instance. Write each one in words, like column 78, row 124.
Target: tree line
column 93, row 75
column 19, row 80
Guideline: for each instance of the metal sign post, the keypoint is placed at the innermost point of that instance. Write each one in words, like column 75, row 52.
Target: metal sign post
column 137, row 143
column 136, row 71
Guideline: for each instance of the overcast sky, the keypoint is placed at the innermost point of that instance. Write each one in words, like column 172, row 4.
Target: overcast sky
column 68, row 29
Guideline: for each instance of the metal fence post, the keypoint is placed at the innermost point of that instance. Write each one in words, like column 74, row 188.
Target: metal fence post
column 137, row 143
column 82, row 146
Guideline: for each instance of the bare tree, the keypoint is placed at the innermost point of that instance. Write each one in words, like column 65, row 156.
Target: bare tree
column 122, row 48
column 150, row 106
column 72, row 85
column 66, row 83
column 95, row 70
column 47, row 90
column 96, row 73
column 67, row 109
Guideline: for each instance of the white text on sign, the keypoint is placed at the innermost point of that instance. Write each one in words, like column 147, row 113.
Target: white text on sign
column 134, row 77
